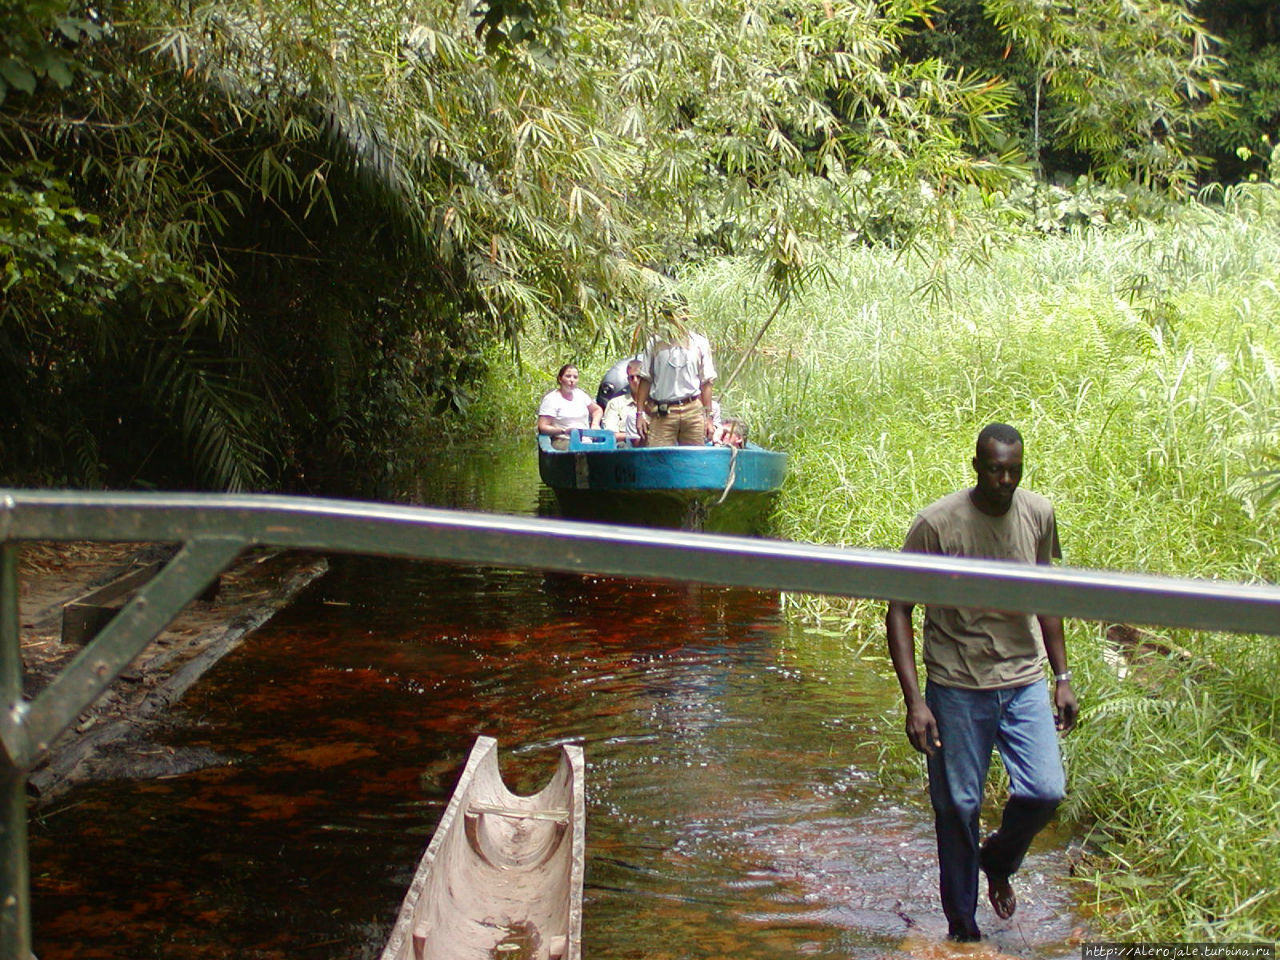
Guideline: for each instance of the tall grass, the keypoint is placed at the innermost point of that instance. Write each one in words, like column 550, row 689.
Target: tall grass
column 1141, row 366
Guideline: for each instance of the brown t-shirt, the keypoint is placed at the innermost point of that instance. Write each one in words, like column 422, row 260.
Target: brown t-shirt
column 984, row 649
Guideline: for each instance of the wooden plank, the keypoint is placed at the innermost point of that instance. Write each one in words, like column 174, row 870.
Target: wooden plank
column 557, row 816
column 87, row 614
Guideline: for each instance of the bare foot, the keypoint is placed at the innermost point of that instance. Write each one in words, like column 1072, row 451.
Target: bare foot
column 1000, row 893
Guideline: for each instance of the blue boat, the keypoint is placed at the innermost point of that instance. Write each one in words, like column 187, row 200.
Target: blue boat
column 719, row 488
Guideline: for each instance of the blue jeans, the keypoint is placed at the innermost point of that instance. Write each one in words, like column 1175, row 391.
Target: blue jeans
column 1018, row 722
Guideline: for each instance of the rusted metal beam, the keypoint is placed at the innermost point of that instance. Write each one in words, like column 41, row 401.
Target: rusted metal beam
column 15, row 870
column 508, row 541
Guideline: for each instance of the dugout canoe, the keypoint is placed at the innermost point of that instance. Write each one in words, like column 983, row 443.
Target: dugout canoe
column 707, row 487
column 502, row 876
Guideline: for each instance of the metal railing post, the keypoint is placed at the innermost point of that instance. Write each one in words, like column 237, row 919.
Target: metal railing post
column 15, row 870
column 15, row 882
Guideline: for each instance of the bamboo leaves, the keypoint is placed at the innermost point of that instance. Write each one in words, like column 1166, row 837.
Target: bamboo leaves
column 786, row 105
column 1123, row 81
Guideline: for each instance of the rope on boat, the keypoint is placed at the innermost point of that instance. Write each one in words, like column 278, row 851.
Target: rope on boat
column 728, row 484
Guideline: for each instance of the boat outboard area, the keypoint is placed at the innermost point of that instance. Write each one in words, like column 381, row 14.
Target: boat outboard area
column 614, row 382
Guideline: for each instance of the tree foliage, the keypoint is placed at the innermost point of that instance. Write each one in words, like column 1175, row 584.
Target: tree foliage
column 1251, row 48
column 1126, row 81
column 267, row 237
column 1118, row 90
column 34, row 36
column 771, row 129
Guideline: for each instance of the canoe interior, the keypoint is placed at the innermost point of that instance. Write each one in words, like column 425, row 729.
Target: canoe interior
column 502, row 876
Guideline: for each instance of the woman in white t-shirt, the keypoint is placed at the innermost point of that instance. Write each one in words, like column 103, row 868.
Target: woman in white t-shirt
column 567, row 407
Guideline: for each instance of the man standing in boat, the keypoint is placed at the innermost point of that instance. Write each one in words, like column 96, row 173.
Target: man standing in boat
column 673, row 394
column 985, row 685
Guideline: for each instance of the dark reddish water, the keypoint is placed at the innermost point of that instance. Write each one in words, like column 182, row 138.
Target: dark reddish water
column 734, row 807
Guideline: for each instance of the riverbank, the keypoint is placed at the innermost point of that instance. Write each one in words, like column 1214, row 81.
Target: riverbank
column 111, row 739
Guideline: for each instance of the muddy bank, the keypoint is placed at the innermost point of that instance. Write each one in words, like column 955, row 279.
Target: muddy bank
column 112, row 738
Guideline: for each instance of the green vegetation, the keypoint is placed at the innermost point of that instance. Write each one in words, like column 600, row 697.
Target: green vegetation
column 1143, row 366
column 281, row 235
column 338, row 217
column 1250, row 33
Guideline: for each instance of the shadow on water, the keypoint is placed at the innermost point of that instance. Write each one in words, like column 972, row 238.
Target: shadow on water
column 733, row 803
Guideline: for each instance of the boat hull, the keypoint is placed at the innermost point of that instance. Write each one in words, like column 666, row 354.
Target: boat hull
column 502, row 875
column 693, row 488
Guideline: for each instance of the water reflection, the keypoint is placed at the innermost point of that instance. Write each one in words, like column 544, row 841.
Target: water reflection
column 732, row 805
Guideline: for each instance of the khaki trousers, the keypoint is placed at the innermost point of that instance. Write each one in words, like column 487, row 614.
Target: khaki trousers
column 683, row 427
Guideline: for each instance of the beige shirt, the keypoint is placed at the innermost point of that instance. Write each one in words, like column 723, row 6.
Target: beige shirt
column 979, row 649
column 620, row 416
column 677, row 371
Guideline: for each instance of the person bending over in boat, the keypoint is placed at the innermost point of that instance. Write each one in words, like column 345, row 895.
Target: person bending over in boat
column 567, row 407
column 726, row 432
column 673, row 395
column 985, row 686
column 620, row 412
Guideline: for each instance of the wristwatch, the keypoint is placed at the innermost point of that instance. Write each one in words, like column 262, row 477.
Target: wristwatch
column 1063, row 677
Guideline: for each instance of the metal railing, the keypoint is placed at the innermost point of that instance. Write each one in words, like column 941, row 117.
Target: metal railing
column 214, row 529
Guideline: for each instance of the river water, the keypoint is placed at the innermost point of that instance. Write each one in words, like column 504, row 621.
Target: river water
column 734, row 805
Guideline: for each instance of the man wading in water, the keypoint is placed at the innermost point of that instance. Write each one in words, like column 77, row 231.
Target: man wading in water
column 985, row 684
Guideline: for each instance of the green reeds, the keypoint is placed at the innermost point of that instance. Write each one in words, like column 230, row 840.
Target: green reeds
column 1142, row 367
